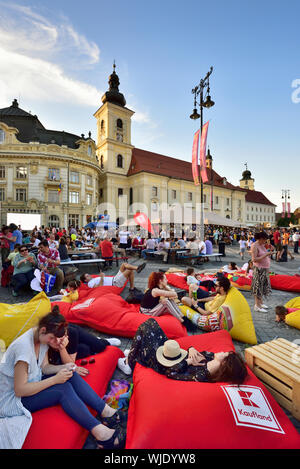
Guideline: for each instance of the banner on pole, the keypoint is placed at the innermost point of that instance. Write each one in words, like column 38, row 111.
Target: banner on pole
column 195, row 163
column 203, row 171
column 289, row 210
column 283, row 209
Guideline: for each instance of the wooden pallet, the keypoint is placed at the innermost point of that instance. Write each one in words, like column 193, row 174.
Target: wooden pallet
column 277, row 365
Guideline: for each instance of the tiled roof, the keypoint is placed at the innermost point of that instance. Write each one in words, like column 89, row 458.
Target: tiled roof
column 257, row 197
column 154, row 163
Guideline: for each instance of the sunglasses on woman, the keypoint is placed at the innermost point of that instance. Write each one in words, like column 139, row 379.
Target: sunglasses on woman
column 23, row 250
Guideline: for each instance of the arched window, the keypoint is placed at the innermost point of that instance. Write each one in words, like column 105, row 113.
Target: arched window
column 102, row 126
column 119, row 124
column 101, row 162
column 120, row 161
column 89, row 150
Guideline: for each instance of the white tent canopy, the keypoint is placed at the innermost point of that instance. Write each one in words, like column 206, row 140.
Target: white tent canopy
column 190, row 217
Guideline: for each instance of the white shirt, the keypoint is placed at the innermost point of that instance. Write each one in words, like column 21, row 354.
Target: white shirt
column 242, row 243
column 123, row 235
column 15, row 419
column 202, row 247
column 36, row 243
column 192, row 280
column 95, row 282
column 296, row 237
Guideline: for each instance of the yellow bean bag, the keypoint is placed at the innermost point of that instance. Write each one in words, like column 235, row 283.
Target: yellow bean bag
column 18, row 318
column 234, row 315
column 293, row 319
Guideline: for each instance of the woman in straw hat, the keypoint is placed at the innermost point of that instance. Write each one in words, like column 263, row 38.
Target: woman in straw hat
column 151, row 348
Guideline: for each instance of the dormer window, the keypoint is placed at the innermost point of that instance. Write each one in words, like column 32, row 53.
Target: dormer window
column 89, row 151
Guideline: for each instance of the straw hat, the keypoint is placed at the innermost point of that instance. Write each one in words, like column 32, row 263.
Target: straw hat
column 170, row 353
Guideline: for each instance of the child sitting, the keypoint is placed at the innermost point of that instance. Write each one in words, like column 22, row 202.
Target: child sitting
column 70, row 294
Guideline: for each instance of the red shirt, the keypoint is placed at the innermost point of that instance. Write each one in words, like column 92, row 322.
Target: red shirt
column 106, row 248
column 276, row 237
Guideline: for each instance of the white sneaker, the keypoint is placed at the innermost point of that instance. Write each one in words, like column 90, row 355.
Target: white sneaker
column 265, row 306
column 114, row 341
column 123, row 366
column 261, row 310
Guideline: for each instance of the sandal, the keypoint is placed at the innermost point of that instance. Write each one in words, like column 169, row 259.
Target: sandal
column 115, row 420
column 120, row 435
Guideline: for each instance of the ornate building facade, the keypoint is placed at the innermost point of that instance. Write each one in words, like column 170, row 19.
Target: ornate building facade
column 51, row 173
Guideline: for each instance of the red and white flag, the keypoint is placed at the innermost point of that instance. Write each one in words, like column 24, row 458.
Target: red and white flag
column 142, row 220
column 289, row 209
column 203, row 171
column 283, row 209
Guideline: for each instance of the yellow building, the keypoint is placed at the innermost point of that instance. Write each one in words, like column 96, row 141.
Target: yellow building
column 51, row 173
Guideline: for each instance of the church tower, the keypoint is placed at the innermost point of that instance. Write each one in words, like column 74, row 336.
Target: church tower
column 114, row 129
column 247, row 182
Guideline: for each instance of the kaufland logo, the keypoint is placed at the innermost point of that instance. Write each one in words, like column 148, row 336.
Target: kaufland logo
column 251, row 408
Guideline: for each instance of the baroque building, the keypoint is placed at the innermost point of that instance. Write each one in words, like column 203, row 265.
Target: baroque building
column 47, row 172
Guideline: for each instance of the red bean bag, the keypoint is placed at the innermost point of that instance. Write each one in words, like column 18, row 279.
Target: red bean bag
column 84, row 290
column 169, row 414
column 178, row 281
column 112, row 315
column 52, row 428
column 285, row 282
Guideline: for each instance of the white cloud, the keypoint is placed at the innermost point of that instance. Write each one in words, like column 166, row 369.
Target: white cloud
column 30, row 51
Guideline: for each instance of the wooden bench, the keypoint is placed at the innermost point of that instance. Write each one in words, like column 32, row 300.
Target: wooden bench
column 277, row 365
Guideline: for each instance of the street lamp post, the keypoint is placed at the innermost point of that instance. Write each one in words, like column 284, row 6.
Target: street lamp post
column 286, row 196
column 198, row 91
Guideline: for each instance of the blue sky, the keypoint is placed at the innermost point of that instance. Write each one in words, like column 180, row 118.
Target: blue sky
column 56, row 58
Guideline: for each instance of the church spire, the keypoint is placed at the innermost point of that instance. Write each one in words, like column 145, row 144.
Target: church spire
column 113, row 95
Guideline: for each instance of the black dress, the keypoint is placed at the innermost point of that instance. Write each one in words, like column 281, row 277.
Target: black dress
column 148, row 338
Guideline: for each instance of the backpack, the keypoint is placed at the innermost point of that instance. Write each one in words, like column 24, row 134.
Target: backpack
column 135, row 297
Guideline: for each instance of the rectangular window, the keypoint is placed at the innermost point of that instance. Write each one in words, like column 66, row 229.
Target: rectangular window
column 21, row 172
column 53, row 174
column 74, row 177
column 154, row 191
column 2, row 136
column 73, row 219
column 53, row 196
column 74, row 197
column 2, row 172
column 21, row 195
column 89, row 180
column 173, row 194
column 227, row 201
column 120, row 192
column 89, row 199
column 190, row 196
column 204, row 198
column 100, row 193
column 2, row 194
column 217, row 200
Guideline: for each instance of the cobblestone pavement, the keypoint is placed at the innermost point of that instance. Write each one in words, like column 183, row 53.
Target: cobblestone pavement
column 265, row 326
